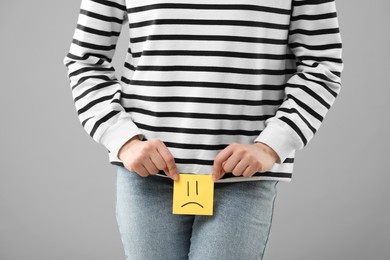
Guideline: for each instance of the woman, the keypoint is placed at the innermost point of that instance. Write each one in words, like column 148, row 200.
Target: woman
column 209, row 87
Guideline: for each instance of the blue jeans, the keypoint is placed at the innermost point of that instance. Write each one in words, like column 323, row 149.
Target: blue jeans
column 239, row 228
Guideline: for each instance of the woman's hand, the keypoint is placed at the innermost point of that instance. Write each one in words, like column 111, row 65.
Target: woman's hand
column 244, row 159
column 148, row 157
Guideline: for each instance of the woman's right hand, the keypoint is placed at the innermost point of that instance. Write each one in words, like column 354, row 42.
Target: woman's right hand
column 148, row 157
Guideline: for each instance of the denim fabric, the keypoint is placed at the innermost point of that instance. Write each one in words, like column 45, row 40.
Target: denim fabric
column 239, row 228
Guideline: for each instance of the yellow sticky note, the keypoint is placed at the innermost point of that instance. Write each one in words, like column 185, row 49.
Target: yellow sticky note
column 193, row 194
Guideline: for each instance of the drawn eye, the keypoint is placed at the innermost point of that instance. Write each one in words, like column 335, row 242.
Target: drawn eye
column 188, row 188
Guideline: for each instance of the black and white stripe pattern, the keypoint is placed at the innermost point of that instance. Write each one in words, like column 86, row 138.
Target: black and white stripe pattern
column 201, row 75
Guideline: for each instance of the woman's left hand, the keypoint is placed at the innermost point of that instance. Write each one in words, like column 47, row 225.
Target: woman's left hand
column 244, row 159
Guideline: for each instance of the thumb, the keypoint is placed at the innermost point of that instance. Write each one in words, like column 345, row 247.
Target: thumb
column 218, row 173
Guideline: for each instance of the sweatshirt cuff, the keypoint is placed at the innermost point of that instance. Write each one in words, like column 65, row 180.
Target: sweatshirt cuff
column 118, row 134
column 279, row 139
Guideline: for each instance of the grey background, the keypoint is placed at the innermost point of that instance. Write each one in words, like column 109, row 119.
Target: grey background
column 57, row 189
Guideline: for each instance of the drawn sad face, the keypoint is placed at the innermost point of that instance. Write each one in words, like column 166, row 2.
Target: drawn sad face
column 193, row 195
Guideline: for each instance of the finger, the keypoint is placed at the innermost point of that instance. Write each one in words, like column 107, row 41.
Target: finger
column 158, row 161
column 249, row 171
column 231, row 162
column 141, row 170
column 150, row 167
column 170, row 169
column 240, row 167
column 221, row 173
column 219, row 160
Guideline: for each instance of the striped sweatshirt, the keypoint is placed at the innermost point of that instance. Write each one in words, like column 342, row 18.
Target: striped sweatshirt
column 200, row 75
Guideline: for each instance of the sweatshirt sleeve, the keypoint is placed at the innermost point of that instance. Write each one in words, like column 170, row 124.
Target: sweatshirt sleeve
column 95, row 90
column 314, row 39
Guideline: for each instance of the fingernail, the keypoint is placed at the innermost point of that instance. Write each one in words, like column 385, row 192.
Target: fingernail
column 214, row 177
column 175, row 176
